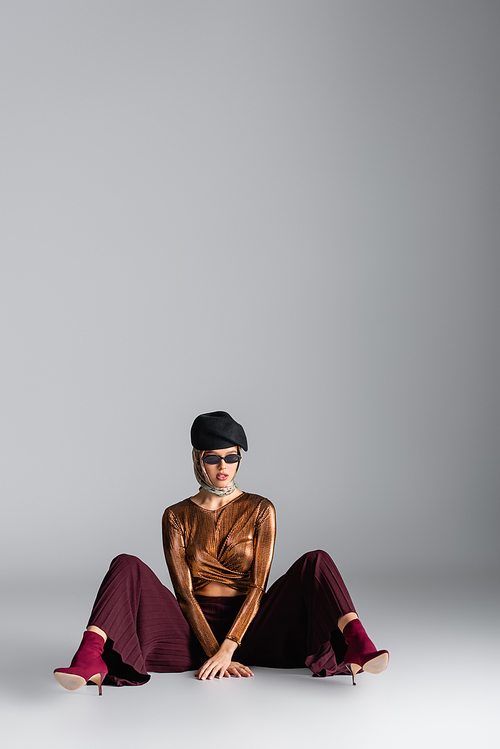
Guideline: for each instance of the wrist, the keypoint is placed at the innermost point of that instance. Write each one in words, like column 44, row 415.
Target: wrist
column 229, row 646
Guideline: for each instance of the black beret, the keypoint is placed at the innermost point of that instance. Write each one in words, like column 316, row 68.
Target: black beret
column 217, row 430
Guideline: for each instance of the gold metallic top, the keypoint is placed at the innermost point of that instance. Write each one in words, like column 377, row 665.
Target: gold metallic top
column 232, row 545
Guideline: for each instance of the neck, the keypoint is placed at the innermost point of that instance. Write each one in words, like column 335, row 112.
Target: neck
column 212, row 501
column 219, row 491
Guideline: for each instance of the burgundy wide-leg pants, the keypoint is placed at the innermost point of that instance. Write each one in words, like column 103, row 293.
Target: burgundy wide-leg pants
column 296, row 624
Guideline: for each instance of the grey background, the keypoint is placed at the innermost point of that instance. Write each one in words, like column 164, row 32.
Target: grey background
column 287, row 210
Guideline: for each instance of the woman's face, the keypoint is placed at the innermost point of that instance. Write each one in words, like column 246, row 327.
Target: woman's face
column 222, row 473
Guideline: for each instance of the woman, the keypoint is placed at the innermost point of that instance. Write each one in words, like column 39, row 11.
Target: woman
column 219, row 548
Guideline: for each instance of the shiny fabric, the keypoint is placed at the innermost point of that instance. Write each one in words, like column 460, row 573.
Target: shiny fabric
column 233, row 545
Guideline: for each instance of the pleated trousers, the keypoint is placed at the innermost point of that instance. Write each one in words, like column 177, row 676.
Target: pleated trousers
column 295, row 626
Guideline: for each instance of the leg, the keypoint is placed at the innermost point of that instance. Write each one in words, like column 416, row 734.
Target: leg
column 98, row 631
column 308, row 617
column 344, row 620
column 87, row 664
column 361, row 652
column 141, row 623
column 297, row 622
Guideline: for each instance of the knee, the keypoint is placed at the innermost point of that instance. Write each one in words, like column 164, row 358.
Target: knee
column 318, row 555
column 125, row 560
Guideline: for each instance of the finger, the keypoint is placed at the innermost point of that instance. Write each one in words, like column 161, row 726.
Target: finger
column 205, row 670
column 214, row 671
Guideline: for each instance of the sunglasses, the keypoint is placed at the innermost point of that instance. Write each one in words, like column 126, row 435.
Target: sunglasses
column 214, row 460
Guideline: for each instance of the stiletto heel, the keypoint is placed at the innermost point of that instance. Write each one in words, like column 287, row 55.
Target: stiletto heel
column 97, row 679
column 361, row 653
column 87, row 664
column 354, row 670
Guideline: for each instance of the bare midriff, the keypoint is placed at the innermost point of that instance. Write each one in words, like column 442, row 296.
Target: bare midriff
column 217, row 589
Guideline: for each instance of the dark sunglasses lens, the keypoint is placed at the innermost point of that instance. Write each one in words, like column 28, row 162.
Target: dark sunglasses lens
column 214, row 460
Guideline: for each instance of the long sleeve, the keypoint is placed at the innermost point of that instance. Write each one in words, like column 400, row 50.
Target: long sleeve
column 175, row 555
column 264, row 537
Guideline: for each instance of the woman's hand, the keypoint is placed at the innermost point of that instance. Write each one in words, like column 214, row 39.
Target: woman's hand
column 238, row 669
column 217, row 665
column 220, row 664
column 209, row 670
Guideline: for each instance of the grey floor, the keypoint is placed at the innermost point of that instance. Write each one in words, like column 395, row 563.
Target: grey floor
column 440, row 690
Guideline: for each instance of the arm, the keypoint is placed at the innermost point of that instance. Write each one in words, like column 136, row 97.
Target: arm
column 175, row 555
column 264, row 537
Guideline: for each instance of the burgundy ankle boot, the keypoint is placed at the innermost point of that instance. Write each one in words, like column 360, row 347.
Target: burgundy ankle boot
column 87, row 664
column 361, row 653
